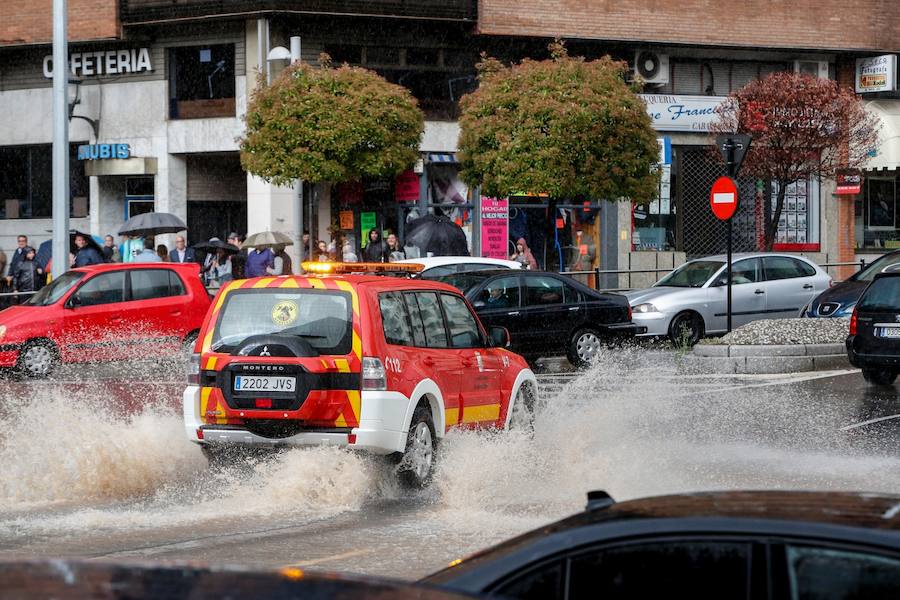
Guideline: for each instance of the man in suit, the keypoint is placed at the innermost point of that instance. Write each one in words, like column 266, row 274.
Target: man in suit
column 182, row 254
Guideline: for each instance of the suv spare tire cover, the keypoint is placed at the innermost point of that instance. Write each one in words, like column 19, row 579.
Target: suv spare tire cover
column 275, row 345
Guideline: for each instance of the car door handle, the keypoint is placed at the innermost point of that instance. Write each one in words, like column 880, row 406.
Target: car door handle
column 575, row 308
column 428, row 361
column 175, row 313
column 115, row 318
column 512, row 314
column 760, row 292
column 808, row 286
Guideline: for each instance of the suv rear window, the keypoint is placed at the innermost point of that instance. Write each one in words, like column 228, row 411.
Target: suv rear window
column 321, row 318
column 882, row 295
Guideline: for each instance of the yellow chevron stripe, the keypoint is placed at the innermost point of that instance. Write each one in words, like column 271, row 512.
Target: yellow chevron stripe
column 357, row 345
column 204, row 401
column 451, row 416
column 342, row 365
column 211, row 362
column 484, row 412
column 207, row 340
column 264, row 282
column 316, row 283
column 290, row 282
column 345, row 286
column 355, row 403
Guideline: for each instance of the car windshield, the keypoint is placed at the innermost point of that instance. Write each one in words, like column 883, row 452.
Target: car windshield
column 692, row 274
column 869, row 273
column 57, row 289
column 321, row 318
column 882, row 296
column 462, row 281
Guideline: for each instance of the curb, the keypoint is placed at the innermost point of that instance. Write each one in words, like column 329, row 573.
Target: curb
column 771, row 359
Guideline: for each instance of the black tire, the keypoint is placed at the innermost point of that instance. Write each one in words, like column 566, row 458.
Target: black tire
column 189, row 341
column 416, row 466
column 686, row 327
column 585, row 347
column 37, row 359
column 879, row 376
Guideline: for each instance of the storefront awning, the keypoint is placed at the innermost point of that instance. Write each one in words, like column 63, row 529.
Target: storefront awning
column 447, row 158
column 887, row 155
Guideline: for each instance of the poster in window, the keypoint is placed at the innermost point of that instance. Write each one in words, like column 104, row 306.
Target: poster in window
column 781, row 236
column 801, row 222
column 882, row 207
column 792, row 189
column 792, row 237
column 782, row 221
column 791, row 204
column 791, row 221
column 801, row 205
column 801, row 188
column 801, row 237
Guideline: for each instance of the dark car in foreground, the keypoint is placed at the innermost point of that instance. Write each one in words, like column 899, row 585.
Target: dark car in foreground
column 874, row 341
column 717, row 545
column 839, row 300
column 546, row 313
column 70, row 579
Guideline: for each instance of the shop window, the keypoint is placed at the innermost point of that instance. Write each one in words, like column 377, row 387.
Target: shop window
column 201, row 82
column 879, row 214
column 654, row 220
column 26, row 182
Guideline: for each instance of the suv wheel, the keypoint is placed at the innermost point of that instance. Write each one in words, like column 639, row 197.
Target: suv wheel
column 522, row 417
column 417, row 464
column 584, row 348
column 879, row 376
column 37, row 359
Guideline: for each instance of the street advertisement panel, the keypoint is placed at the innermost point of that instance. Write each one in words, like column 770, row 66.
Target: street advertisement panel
column 367, row 222
column 876, row 74
column 494, row 227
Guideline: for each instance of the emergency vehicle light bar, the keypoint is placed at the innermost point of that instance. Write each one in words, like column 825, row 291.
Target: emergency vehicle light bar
column 328, row 267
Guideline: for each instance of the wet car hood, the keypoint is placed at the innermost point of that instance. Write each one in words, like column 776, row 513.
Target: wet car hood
column 15, row 315
column 847, row 292
column 636, row 297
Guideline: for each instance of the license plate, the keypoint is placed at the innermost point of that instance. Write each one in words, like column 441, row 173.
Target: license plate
column 246, row 383
column 889, row 332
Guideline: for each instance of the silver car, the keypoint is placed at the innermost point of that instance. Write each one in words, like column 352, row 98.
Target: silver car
column 689, row 302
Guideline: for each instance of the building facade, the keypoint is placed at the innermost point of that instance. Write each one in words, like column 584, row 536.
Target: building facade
column 162, row 89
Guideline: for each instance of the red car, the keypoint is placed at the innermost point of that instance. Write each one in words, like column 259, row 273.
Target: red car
column 380, row 364
column 104, row 312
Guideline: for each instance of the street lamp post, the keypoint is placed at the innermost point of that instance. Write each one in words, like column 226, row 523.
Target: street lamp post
column 60, row 244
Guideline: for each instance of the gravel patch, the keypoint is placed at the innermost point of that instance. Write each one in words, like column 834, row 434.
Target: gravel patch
column 787, row 331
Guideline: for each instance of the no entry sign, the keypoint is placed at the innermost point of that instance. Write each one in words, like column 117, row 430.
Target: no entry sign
column 723, row 198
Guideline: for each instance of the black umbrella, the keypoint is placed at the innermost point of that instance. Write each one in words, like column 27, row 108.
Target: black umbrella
column 437, row 234
column 152, row 223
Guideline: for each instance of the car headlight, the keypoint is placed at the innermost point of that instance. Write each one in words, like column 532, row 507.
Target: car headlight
column 644, row 308
column 2, row 331
column 844, row 311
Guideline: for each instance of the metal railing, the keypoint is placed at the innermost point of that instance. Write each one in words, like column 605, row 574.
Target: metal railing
column 597, row 274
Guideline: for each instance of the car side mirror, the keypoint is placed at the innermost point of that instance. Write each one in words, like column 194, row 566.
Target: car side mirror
column 74, row 301
column 499, row 337
column 721, row 280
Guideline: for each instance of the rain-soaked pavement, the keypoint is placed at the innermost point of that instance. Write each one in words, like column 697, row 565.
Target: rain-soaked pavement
column 94, row 464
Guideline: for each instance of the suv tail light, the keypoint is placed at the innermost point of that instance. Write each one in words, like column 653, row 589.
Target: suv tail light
column 193, row 374
column 853, row 323
column 374, row 377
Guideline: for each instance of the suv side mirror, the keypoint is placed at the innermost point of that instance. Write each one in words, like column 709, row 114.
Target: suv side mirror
column 499, row 337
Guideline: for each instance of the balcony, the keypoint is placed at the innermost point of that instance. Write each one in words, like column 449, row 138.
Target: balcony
column 141, row 11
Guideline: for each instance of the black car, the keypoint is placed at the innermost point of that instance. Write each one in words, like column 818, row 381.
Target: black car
column 874, row 341
column 717, row 545
column 839, row 300
column 546, row 313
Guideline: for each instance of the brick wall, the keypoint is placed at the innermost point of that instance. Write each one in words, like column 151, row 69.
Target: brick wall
column 31, row 21
column 868, row 25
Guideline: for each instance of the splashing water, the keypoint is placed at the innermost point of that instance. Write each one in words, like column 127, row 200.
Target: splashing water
column 632, row 426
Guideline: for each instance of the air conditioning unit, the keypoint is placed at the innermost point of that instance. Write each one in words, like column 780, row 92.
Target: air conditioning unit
column 652, row 67
column 816, row 68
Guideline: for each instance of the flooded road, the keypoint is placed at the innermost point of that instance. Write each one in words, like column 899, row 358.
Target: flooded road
column 95, row 464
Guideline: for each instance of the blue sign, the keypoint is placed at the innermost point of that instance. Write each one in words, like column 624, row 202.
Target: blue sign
column 103, row 151
column 665, row 150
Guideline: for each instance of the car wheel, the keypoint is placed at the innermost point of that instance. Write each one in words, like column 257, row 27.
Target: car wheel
column 686, row 329
column 189, row 341
column 37, row 359
column 417, row 463
column 879, row 376
column 522, row 416
column 585, row 348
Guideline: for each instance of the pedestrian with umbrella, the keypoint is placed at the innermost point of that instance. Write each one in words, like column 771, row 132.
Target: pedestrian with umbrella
column 220, row 268
column 88, row 252
column 147, row 225
column 437, row 235
column 148, row 254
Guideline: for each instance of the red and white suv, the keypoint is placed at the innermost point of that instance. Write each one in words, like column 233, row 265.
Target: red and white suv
column 382, row 364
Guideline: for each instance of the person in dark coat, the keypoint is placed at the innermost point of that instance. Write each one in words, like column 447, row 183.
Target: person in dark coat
column 181, row 253
column 17, row 255
column 375, row 250
column 87, row 255
column 28, row 275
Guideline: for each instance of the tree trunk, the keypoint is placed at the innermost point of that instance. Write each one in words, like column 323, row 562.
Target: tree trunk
column 772, row 224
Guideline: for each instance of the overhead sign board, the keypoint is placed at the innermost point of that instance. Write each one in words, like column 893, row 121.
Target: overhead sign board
column 723, row 198
column 682, row 113
column 849, row 182
column 109, row 62
column 876, row 74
